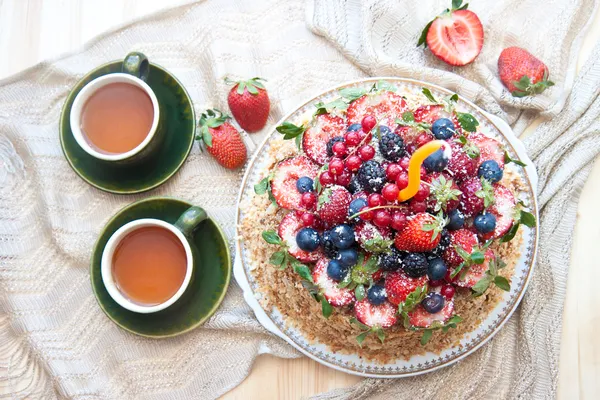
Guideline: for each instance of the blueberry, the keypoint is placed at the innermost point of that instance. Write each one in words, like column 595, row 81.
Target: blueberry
column 342, row 236
column 347, row 257
column 328, row 247
column 436, row 162
column 354, row 127
column 304, row 184
column 384, row 129
column 376, row 295
column 433, row 303
column 443, row 129
column 437, row 269
column 490, row 170
column 356, row 205
column 308, row 239
column 336, row 270
column 485, row 223
column 456, row 220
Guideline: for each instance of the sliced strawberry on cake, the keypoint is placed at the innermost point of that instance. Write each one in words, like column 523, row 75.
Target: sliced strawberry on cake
column 385, row 106
column 489, row 149
column 503, row 209
column 398, row 285
column 434, row 308
column 372, row 238
column 289, row 227
column 316, row 137
column 430, row 113
column 283, row 184
column 335, row 296
column 463, row 238
column 383, row 315
column 474, row 272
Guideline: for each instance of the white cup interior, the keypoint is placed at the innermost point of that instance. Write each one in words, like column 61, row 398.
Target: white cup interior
column 87, row 91
column 107, row 258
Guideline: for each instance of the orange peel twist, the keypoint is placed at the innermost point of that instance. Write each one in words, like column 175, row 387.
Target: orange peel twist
column 414, row 166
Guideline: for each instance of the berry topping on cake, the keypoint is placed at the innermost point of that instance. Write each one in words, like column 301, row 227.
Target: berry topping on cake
column 333, row 205
column 372, row 238
column 289, row 227
column 383, row 315
column 503, row 209
column 462, row 238
column 391, row 146
column 398, row 286
column 283, row 184
column 376, row 295
column 421, row 318
column 335, row 295
column 317, row 136
column 390, row 260
column 462, row 166
column 382, row 106
column 490, row 170
column 489, row 149
column 421, row 234
column 371, row 176
column 415, row 265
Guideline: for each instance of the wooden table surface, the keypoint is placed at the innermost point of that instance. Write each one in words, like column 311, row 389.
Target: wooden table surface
column 34, row 30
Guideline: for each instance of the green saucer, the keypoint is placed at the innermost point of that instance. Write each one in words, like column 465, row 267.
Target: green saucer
column 180, row 126
column 206, row 290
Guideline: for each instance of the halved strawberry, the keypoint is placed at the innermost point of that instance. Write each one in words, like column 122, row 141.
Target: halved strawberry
column 475, row 271
column 383, row 315
column 372, row 238
column 430, row 113
column 333, row 204
column 456, row 36
column 463, row 238
column 398, row 285
column 335, row 296
column 287, row 173
column 422, row 319
column 385, row 106
column 288, row 228
column 470, row 203
column 324, row 128
column 489, row 148
column 461, row 166
column 421, row 234
column 503, row 209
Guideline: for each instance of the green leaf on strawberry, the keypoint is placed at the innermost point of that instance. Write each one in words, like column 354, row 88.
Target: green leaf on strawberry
column 443, row 192
column 521, row 217
column 436, row 226
column 469, row 147
column 428, row 93
column 526, row 87
column 456, row 5
column 303, row 271
column 360, row 292
column 467, row 121
column 333, row 106
column 366, row 331
column 382, row 85
column 290, row 131
column 491, row 276
column 486, row 193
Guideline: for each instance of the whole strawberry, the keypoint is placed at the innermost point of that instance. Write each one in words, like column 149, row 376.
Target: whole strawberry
column 333, row 205
column 522, row 73
column 249, row 103
column 221, row 139
column 421, row 234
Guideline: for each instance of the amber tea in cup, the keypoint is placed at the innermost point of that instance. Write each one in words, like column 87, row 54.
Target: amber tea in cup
column 117, row 118
column 149, row 265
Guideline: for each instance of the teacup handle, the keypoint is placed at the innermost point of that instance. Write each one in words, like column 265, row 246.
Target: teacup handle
column 136, row 64
column 190, row 219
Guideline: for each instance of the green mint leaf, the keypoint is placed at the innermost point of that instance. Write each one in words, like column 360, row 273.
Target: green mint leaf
column 272, row 198
column 527, row 219
column 326, row 308
column 360, row 292
column 423, row 37
column 508, row 236
column 298, row 141
column 482, row 285
column 290, row 131
column 507, row 160
column 462, row 253
column 408, row 116
column 456, row 4
column 477, row 257
column 352, row 93
column 261, row 187
column 356, row 322
column 458, row 269
column 271, row 237
column 467, row 121
column 361, row 338
column 428, row 94
column 380, row 334
column 326, row 108
column 346, row 281
column 384, row 85
column 303, row 271
column 463, row 7
column 278, row 258
column 502, row 283
column 427, row 333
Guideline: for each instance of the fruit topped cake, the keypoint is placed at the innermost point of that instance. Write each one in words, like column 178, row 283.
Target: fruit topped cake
column 385, row 224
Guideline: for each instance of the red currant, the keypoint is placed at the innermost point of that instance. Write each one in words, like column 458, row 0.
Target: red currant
column 344, row 178
column 353, row 162
column 326, row 178
column 366, row 215
column 366, row 152
column 399, row 221
column 390, row 192
column 392, row 171
column 411, row 148
column 375, row 200
column 423, row 192
column 418, row 206
column 368, row 123
column 309, row 199
column 308, row 219
column 436, row 283
column 352, row 138
column 382, row 218
column 448, row 292
column 402, row 180
column 339, row 149
column 404, row 161
column 423, row 138
column 336, row 166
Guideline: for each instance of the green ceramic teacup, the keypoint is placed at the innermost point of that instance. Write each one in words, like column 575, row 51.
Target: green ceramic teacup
column 183, row 229
column 135, row 72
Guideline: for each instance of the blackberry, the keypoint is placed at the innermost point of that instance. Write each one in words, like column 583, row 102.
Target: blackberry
column 354, row 187
column 328, row 248
column 444, row 243
column 391, row 147
column 330, row 144
column 371, row 176
column 415, row 265
column 391, row 261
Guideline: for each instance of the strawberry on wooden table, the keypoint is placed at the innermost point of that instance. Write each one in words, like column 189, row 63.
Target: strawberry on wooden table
column 421, row 234
column 522, row 73
column 249, row 103
column 455, row 36
column 222, row 140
